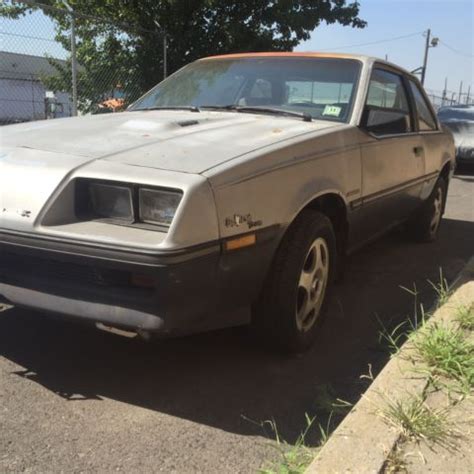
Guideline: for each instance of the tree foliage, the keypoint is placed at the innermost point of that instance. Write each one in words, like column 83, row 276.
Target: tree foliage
column 125, row 47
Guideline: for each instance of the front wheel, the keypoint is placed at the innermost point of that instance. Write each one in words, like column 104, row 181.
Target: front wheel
column 294, row 299
column 424, row 225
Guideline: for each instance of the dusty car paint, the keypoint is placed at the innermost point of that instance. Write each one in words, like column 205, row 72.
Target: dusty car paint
column 239, row 173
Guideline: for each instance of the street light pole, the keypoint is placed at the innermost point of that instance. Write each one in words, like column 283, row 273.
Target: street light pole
column 73, row 65
column 165, row 49
column 165, row 55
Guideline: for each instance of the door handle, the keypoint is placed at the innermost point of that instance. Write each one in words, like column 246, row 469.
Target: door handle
column 418, row 150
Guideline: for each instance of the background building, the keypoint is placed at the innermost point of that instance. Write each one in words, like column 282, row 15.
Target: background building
column 23, row 96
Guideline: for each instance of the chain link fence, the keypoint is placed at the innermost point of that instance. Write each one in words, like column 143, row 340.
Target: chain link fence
column 57, row 62
column 446, row 98
column 60, row 62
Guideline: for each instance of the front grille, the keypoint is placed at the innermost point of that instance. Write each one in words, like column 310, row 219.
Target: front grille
column 18, row 268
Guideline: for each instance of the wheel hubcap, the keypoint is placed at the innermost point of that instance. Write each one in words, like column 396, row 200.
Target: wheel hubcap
column 312, row 284
column 437, row 211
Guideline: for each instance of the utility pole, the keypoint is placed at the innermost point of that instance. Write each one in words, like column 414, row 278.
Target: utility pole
column 430, row 43
column 468, row 95
column 73, row 58
column 460, row 93
column 425, row 59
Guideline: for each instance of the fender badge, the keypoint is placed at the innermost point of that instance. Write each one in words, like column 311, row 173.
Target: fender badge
column 237, row 219
column 24, row 213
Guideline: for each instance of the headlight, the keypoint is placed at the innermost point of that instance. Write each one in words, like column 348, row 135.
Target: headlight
column 126, row 203
column 157, row 206
column 111, row 201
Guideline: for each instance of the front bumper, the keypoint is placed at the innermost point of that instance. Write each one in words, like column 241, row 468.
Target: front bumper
column 169, row 293
column 465, row 155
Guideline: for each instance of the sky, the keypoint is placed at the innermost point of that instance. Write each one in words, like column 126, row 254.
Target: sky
column 452, row 21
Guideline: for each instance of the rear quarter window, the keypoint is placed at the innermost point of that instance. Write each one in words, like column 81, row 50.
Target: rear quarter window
column 426, row 121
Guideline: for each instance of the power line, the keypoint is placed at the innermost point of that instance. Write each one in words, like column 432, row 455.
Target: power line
column 40, row 38
column 456, row 50
column 395, row 38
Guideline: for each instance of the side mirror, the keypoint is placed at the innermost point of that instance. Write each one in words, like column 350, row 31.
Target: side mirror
column 383, row 121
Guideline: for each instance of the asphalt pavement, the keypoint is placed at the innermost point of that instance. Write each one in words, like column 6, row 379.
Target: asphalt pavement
column 78, row 400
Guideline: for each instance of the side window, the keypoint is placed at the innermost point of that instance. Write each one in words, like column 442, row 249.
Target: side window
column 386, row 109
column 426, row 120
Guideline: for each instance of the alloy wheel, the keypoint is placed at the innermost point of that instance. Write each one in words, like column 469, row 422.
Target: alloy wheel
column 312, row 285
column 437, row 211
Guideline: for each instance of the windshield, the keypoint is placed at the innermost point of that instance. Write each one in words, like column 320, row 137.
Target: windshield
column 455, row 113
column 321, row 87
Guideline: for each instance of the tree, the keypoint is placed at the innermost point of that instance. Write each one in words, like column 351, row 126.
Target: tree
column 124, row 48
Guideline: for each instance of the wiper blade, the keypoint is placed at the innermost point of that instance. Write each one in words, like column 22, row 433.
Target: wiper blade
column 220, row 107
column 191, row 108
column 268, row 110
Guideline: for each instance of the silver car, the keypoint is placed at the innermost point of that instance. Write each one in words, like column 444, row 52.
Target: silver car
column 459, row 119
column 229, row 194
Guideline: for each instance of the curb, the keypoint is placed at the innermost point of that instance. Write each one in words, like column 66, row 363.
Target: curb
column 362, row 442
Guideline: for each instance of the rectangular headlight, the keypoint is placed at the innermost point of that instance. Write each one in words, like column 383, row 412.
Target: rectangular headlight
column 157, row 206
column 111, row 201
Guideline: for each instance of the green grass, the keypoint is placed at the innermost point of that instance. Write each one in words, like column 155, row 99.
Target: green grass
column 393, row 339
column 327, row 401
column 441, row 288
column 447, row 353
column 294, row 459
column 417, row 421
column 445, row 350
column 465, row 317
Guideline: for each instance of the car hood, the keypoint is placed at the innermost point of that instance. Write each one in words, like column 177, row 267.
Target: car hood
column 184, row 141
column 463, row 132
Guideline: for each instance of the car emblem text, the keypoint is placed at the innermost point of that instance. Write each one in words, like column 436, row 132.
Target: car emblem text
column 237, row 219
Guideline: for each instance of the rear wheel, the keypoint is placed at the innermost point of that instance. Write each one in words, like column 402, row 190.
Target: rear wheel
column 294, row 298
column 424, row 225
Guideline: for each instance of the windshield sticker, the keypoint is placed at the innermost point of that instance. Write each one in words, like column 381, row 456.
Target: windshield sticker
column 332, row 110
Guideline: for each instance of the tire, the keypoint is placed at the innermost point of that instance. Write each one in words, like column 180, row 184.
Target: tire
column 424, row 225
column 294, row 299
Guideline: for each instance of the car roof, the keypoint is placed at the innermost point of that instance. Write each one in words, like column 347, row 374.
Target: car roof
column 309, row 54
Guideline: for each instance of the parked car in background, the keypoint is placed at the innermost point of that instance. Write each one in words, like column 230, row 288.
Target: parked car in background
column 460, row 120
column 228, row 194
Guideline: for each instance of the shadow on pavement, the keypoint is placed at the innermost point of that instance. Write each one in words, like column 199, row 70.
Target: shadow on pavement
column 222, row 379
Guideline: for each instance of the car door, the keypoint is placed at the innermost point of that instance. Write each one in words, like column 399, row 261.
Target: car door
column 392, row 154
column 432, row 138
